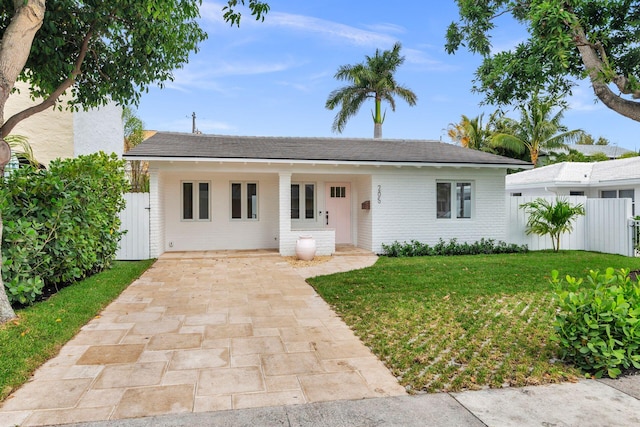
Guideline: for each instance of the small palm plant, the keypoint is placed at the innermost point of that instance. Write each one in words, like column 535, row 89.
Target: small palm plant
column 550, row 218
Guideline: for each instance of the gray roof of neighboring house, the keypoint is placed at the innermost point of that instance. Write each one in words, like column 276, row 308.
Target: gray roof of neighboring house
column 577, row 173
column 170, row 145
column 611, row 151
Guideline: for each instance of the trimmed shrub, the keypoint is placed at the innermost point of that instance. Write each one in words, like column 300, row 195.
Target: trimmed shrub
column 598, row 321
column 61, row 224
column 484, row 246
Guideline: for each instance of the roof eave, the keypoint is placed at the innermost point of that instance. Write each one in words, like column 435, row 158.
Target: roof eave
column 326, row 162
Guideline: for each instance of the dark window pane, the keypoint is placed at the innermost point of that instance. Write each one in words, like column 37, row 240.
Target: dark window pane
column 295, row 201
column 443, row 204
column 627, row 194
column 333, row 191
column 203, row 200
column 309, row 204
column 609, row 194
column 187, row 200
column 463, row 199
column 236, row 200
column 252, row 201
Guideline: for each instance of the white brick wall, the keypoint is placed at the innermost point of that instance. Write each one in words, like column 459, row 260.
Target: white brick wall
column 221, row 232
column 156, row 214
column 364, row 217
column 98, row 129
column 408, row 206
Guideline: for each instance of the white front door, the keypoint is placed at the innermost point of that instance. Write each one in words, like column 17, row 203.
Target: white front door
column 338, row 210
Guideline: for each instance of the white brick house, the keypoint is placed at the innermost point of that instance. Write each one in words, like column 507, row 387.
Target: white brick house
column 212, row 192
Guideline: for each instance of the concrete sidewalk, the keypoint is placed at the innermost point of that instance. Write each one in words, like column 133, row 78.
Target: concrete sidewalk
column 589, row 403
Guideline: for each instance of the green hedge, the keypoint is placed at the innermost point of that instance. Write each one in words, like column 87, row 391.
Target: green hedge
column 598, row 321
column 61, row 224
column 484, row 246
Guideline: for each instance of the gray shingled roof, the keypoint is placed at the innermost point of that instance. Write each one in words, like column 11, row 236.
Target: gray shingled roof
column 189, row 146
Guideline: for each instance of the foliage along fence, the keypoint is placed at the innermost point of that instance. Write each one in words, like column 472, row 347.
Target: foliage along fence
column 61, row 224
column 606, row 226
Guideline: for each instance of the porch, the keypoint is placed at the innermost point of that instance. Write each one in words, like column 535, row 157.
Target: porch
column 255, row 208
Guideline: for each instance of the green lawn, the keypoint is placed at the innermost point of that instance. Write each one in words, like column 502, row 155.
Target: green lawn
column 464, row 322
column 42, row 329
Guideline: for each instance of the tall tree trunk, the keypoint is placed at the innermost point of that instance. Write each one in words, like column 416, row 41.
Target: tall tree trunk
column 15, row 46
column 534, row 157
column 377, row 130
column 377, row 119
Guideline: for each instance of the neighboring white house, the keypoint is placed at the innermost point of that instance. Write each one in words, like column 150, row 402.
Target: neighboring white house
column 610, row 179
column 56, row 134
column 212, row 192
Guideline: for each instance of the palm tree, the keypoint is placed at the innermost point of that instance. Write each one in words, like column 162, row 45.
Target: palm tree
column 538, row 128
column 370, row 79
column 551, row 218
column 470, row 133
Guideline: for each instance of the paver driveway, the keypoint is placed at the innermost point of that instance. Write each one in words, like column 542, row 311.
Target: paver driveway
column 204, row 332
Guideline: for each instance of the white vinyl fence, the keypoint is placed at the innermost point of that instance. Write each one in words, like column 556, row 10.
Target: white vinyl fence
column 606, row 226
column 134, row 244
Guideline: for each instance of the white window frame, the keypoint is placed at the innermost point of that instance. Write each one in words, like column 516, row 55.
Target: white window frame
column 243, row 201
column 453, row 200
column 195, row 201
column 302, row 189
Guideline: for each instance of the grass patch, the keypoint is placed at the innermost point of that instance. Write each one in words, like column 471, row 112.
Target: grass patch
column 463, row 322
column 42, row 329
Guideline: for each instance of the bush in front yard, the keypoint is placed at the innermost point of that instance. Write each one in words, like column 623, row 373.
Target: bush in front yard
column 61, row 224
column 598, row 321
column 484, row 246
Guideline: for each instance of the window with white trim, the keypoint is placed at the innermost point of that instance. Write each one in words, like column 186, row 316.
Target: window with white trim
column 244, row 200
column 196, row 198
column 455, row 195
column 303, row 201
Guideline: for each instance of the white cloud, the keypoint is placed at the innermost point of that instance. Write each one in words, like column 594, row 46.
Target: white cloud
column 386, row 28
column 329, row 29
column 212, row 12
column 202, row 75
column 426, row 62
column 583, row 98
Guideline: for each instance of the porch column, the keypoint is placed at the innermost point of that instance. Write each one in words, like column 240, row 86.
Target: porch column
column 156, row 215
column 286, row 245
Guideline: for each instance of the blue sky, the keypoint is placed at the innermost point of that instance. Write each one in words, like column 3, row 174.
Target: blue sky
column 273, row 78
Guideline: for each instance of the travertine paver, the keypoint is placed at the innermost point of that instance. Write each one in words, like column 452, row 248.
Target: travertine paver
column 206, row 332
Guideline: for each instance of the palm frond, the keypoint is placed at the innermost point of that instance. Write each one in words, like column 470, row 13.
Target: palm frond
column 20, row 144
column 374, row 78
